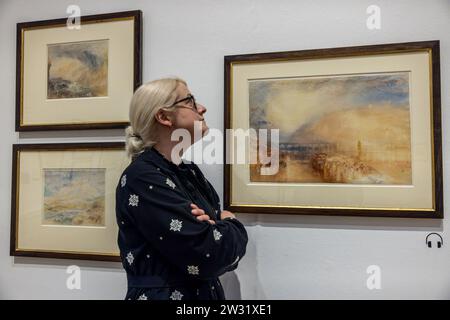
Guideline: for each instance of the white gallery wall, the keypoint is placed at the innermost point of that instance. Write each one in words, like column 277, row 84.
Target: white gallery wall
column 288, row 257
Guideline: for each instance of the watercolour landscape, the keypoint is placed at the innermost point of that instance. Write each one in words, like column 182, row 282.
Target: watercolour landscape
column 74, row 197
column 352, row 129
column 77, row 70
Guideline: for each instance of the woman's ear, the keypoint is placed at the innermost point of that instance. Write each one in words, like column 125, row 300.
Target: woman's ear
column 163, row 118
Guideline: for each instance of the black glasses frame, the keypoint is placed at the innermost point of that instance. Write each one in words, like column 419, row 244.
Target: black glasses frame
column 190, row 97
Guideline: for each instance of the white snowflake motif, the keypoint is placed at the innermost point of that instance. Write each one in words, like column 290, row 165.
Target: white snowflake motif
column 176, row 225
column 130, row 258
column 217, row 235
column 142, row 297
column 134, row 200
column 176, row 295
column 123, row 181
column 193, row 270
column 170, row 183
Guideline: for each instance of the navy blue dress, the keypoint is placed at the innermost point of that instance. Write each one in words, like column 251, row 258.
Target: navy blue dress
column 167, row 253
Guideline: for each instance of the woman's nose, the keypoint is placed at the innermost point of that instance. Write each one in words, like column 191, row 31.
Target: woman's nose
column 201, row 108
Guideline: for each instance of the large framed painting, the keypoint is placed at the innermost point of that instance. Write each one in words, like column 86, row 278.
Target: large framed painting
column 84, row 78
column 340, row 131
column 63, row 200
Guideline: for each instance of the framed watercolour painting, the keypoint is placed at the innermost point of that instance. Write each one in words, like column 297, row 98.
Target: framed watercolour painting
column 63, row 200
column 352, row 131
column 83, row 78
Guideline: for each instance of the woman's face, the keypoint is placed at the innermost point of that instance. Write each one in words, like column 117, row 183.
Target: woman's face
column 186, row 114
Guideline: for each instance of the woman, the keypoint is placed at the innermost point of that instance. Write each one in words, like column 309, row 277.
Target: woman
column 174, row 241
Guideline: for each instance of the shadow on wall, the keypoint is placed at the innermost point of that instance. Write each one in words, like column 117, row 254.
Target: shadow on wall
column 341, row 222
column 231, row 286
column 247, row 270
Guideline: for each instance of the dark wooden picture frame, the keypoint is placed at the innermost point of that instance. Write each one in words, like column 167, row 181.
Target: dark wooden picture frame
column 17, row 212
column 261, row 60
column 93, row 20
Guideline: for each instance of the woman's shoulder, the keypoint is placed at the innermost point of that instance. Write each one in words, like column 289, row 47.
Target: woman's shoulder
column 140, row 169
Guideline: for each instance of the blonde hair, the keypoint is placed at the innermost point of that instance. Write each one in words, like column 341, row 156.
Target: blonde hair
column 146, row 102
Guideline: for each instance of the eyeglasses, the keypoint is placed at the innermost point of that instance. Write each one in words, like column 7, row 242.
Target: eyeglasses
column 190, row 100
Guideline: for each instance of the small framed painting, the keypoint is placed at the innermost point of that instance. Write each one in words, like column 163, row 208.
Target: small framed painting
column 63, row 200
column 77, row 78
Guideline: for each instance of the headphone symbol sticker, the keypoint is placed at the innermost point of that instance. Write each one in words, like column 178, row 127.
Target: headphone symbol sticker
column 429, row 243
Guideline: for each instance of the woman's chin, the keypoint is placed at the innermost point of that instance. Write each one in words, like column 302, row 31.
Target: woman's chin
column 205, row 129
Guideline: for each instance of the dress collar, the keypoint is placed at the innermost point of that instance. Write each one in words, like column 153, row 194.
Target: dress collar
column 153, row 155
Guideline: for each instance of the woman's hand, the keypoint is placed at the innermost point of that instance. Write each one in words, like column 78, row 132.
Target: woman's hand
column 200, row 213
column 226, row 214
